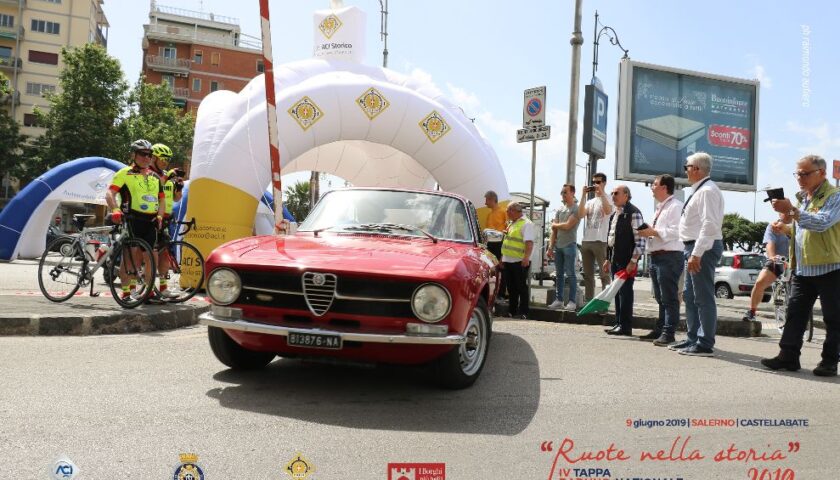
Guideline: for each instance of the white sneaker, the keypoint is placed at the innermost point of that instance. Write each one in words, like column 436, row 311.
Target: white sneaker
column 170, row 293
column 570, row 306
column 556, row 304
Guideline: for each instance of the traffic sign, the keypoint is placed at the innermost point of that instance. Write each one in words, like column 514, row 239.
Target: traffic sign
column 533, row 133
column 533, row 108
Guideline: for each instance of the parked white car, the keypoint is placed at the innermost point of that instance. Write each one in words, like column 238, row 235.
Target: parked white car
column 736, row 272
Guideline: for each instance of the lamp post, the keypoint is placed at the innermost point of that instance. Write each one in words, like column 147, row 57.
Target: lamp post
column 592, row 167
column 571, row 146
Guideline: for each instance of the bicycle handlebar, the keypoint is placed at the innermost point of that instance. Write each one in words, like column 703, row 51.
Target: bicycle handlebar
column 190, row 225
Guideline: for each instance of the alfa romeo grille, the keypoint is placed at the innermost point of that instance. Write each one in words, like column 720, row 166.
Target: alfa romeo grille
column 319, row 291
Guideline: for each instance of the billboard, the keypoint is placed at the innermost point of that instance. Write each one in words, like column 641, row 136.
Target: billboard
column 666, row 114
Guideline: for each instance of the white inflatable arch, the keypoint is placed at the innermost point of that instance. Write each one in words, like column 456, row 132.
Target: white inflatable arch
column 368, row 125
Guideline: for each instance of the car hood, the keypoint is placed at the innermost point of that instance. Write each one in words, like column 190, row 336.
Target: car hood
column 355, row 253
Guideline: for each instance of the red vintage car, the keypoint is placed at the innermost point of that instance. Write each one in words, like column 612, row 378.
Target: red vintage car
column 372, row 275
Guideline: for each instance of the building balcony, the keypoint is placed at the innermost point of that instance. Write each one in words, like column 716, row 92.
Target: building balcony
column 207, row 17
column 10, row 63
column 180, row 93
column 10, row 98
column 11, row 33
column 174, row 33
column 12, row 2
column 165, row 64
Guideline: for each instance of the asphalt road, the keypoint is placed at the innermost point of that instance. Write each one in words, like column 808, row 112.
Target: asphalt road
column 125, row 406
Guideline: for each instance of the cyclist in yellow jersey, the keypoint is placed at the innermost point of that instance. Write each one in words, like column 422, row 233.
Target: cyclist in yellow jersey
column 141, row 194
column 172, row 188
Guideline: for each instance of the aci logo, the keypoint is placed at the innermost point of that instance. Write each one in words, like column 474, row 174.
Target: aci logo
column 188, row 469
column 416, row 471
column 63, row 468
column 299, row 467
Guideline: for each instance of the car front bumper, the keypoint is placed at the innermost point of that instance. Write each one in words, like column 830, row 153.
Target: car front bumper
column 231, row 319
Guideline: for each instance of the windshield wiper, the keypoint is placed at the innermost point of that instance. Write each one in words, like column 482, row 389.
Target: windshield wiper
column 319, row 230
column 387, row 227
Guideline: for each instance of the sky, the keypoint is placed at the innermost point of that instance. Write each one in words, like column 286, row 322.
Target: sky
column 483, row 54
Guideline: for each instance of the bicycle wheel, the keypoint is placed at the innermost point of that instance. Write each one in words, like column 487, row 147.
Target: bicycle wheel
column 780, row 305
column 137, row 264
column 186, row 272
column 61, row 274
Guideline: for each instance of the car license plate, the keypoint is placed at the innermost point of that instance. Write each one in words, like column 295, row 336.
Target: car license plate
column 752, row 277
column 314, row 340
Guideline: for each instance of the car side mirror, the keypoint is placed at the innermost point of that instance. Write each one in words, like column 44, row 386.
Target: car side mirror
column 490, row 235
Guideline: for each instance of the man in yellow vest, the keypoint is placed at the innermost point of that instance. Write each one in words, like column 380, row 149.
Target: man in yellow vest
column 516, row 259
column 815, row 266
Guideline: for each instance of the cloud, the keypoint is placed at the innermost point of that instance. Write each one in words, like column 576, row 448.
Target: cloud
column 759, row 73
column 464, row 99
column 817, row 138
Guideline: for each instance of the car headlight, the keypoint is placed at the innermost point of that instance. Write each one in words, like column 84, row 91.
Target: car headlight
column 224, row 286
column 431, row 302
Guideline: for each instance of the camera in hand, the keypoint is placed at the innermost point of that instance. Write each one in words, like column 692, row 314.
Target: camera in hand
column 775, row 194
column 643, row 226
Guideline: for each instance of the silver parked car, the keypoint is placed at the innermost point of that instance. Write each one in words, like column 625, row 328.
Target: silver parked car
column 736, row 272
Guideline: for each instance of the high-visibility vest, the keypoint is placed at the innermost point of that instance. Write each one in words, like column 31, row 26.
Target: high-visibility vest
column 514, row 244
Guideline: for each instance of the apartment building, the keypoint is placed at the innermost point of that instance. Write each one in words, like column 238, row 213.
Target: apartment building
column 32, row 33
column 196, row 53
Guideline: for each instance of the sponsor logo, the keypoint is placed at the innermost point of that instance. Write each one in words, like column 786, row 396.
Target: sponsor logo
column 63, row 468
column 305, row 113
column 416, row 471
column 188, row 468
column 434, row 126
column 150, row 198
column 729, row 137
column 372, row 103
column 329, row 25
column 299, row 467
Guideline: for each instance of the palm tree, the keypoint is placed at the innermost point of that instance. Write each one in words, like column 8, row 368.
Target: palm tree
column 297, row 199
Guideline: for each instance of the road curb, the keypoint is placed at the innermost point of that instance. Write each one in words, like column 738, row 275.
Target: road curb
column 145, row 319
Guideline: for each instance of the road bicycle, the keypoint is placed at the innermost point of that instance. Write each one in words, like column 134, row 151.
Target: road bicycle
column 185, row 274
column 61, row 275
column 781, row 296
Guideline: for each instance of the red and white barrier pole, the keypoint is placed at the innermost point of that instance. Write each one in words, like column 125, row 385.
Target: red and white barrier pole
column 271, row 112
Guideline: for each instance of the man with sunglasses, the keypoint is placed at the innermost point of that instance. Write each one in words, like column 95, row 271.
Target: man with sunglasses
column 624, row 247
column 701, row 231
column 141, row 196
column 815, row 266
column 593, row 247
column 172, row 191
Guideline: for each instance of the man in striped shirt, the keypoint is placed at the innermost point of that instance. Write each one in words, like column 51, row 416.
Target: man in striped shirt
column 815, row 263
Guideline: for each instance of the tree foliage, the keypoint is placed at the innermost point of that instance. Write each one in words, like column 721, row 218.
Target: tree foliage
column 11, row 140
column 296, row 199
column 153, row 116
column 83, row 119
column 742, row 234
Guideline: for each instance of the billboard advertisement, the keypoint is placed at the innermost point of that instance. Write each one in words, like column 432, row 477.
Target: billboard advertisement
column 666, row 114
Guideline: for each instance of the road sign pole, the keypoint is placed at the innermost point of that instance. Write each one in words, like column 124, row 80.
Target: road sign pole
column 533, row 174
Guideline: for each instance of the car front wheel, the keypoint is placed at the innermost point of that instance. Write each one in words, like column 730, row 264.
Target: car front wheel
column 722, row 290
column 460, row 367
column 234, row 356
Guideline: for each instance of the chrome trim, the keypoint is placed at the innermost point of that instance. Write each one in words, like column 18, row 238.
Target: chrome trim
column 212, row 320
column 319, row 298
column 338, row 296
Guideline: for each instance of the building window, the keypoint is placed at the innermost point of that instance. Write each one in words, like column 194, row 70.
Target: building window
column 215, row 58
column 53, row 1
column 45, row 27
column 30, row 120
column 214, row 86
column 38, row 88
column 168, row 80
column 196, row 84
column 260, row 66
column 6, row 52
column 169, row 52
column 7, row 20
column 198, row 57
column 43, row 57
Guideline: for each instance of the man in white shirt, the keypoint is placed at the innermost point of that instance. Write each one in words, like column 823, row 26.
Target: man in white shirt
column 665, row 251
column 516, row 259
column 593, row 248
column 701, row 231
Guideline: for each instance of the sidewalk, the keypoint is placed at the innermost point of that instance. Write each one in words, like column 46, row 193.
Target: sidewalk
column 29, row 313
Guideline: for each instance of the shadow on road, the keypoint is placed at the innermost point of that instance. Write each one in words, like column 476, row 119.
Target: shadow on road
column 503, row 401
column 754, row 362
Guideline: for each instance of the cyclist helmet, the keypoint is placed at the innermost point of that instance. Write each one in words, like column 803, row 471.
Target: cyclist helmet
column 161, row 151
column 140, row 145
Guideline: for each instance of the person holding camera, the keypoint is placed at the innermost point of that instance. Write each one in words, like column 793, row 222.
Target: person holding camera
column 815, row 266
column 624, row 247
column 593, row 247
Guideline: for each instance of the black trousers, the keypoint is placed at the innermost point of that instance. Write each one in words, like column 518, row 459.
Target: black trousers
column 803, row 294
column 496, row 249
column 517, row 285
column 624, row 302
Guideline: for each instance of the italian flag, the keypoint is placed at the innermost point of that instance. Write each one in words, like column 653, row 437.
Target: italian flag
column 603, row 300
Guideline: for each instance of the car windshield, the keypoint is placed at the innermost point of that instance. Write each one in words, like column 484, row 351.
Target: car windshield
column 384, row 211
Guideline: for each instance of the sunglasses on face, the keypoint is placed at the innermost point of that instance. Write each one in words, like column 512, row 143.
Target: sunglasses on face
column 598, row 181
column 687, row 166
column 144, row 154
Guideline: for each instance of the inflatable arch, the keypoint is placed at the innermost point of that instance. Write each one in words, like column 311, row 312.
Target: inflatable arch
column 24, row 221
column 368, row 125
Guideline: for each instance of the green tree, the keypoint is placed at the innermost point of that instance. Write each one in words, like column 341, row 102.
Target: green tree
column 296, row 199
column 153, row 116
column 83, row 119
column 11, row 141
column 740, row 233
